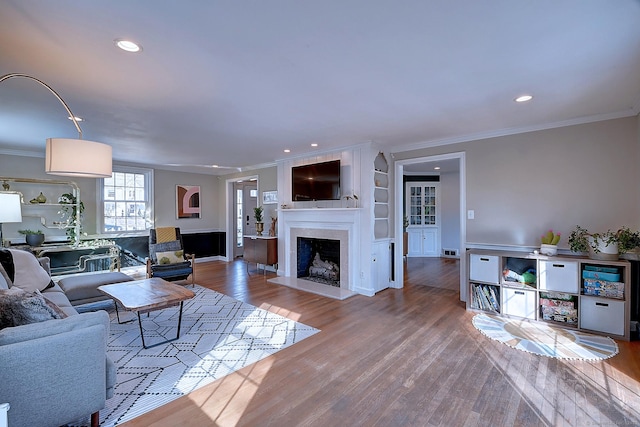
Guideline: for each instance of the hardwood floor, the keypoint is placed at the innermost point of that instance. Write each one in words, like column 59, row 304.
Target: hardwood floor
column 405, row 357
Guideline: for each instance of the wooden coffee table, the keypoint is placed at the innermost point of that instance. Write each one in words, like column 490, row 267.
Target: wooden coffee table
column 143, row 296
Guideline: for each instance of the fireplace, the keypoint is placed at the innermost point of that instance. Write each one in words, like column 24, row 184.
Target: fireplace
column 318, row 260
column 341, row 226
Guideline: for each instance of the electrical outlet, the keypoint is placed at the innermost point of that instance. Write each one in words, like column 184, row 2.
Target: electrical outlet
column 471, row 214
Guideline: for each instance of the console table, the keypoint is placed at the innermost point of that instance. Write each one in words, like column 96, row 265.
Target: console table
column 261, row 250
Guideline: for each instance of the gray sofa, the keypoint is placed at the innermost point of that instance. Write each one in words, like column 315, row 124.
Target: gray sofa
column 57, row 371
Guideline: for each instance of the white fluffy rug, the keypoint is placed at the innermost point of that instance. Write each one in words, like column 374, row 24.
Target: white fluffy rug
column 218, row 336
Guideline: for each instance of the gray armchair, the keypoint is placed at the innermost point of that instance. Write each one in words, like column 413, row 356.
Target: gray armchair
column 55, row 372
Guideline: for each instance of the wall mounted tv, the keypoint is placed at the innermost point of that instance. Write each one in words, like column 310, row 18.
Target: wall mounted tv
column 317, row 181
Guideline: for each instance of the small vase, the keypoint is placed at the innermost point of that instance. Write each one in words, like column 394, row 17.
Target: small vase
column 41, row 198
column 259, row 228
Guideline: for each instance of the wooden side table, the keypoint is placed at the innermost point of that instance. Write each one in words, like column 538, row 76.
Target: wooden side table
column 261, row 250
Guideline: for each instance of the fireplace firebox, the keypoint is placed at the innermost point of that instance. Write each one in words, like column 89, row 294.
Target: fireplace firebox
column 318, row 260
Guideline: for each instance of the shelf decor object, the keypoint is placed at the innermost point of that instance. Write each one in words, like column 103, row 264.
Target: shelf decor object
column 72, row 157
column 10, row 210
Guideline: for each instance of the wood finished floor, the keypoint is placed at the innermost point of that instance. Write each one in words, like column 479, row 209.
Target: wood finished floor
column 405, row 357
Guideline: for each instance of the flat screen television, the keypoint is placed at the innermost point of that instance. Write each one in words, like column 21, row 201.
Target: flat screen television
column 317, row 181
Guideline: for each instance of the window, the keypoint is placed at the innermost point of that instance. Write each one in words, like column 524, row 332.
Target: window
column 126, row 200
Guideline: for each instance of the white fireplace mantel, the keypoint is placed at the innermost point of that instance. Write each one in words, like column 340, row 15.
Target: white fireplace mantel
column 321, row 222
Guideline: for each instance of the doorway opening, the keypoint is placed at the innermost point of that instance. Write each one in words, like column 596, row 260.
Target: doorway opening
column 425, row 166
column 242, row 197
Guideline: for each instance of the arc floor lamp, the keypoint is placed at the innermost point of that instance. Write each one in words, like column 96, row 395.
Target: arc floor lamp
column 72, row 157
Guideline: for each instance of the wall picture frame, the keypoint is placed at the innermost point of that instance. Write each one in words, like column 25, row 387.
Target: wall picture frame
column 188, row 201
column 269, row 197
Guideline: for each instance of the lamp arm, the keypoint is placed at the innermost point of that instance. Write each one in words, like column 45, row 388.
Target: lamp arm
column 64, row 104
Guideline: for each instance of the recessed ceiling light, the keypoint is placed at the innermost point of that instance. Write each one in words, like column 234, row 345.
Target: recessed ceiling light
column 524, row 98
column 215, row 166
column 128, row 45
column 314, row 144
column 437, row 168
column 286, row 150
column 78, row 119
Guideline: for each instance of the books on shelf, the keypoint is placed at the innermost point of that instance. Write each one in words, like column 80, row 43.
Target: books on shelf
column 485, row 297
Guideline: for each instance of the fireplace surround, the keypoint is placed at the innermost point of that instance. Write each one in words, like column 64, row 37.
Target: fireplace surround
column 341, row 224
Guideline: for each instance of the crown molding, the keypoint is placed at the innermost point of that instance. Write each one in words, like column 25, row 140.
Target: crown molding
column 22, row 153
column 514, row 131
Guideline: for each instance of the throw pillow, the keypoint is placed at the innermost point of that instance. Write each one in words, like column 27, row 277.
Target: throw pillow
column 170, row 257
column 156, row 248
column 19, row 307
column 28, row 274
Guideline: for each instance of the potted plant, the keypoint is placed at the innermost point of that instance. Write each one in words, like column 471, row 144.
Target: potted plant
column 603, row 246
column 74, row 211
column 257, row 215
column 628, row 241
column 549, row 243
column 33, row 237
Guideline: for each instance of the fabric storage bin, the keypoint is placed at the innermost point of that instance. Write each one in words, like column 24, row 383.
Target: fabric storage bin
column 560, row 276
column 484, row 268
column 601, row 314
column 519, row 302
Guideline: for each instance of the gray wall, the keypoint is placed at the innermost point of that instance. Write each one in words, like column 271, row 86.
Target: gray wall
column 450, row 210
column 522, row 185
column 267, row 181
column 164, row 195
column 165, row 200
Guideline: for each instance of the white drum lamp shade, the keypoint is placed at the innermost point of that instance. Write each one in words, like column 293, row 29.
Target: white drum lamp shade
column 10, row 209
column 77, row 158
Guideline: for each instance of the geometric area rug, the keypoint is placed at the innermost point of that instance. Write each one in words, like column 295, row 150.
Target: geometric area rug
column 545, row 340
column 218, row 336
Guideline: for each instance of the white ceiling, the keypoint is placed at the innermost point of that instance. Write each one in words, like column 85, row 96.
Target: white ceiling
column 236, row 82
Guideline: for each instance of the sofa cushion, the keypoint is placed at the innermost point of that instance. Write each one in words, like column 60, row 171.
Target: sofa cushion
column 58, row 297
column 84, row 287
column 19, row 307
column 24, row 270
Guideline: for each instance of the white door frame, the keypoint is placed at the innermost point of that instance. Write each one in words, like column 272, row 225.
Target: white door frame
column 399, row 191
column 230, row 210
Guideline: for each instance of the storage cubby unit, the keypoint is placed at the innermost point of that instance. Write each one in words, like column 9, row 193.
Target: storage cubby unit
column 567, row 291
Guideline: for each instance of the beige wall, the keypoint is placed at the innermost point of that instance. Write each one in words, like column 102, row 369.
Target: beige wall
column 521, row 185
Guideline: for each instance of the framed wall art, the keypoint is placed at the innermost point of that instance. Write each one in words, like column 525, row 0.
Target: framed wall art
column 188, row 201
column 269, row 197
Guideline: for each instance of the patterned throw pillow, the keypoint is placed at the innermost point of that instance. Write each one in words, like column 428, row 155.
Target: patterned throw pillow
column 169, row 257
column 155, row 249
